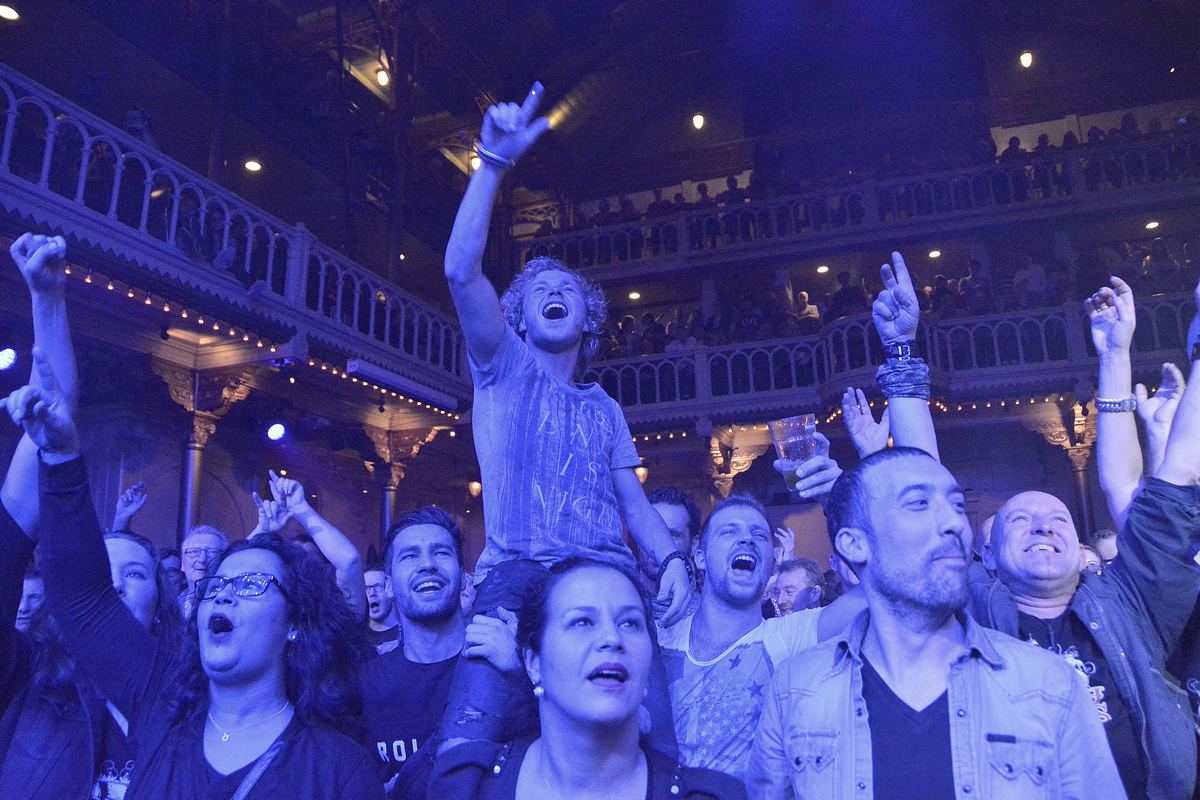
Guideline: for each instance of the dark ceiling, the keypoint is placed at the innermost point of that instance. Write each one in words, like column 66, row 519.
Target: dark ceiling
column 842, row 81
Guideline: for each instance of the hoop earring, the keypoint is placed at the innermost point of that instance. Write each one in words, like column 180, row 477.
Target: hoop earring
column 292, row 634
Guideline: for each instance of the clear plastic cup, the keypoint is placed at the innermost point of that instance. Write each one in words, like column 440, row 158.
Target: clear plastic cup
column 794, row 441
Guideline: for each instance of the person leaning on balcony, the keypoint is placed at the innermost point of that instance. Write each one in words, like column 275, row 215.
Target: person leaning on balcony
column 1116, row 628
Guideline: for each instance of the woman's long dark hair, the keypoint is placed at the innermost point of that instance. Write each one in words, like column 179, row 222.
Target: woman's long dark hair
column 53, row 670
column 321, row 665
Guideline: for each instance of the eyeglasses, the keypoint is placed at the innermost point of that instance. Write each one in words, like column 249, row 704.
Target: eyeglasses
column 376, row 587
column 206, row 552
column 248, row 584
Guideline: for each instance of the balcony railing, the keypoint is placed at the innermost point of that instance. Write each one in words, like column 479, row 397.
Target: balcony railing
column 63, row 165
column 970, row 358
column 1055, row 179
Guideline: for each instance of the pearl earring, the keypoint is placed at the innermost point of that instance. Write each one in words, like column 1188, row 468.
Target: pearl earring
column 292, row 635
column 539, row 692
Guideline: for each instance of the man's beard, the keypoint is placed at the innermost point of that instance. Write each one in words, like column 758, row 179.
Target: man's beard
column 428, row 613
column 921, row 592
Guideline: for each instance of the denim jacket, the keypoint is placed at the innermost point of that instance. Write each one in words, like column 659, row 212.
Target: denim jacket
column 1137, row 610
column 1022, row 725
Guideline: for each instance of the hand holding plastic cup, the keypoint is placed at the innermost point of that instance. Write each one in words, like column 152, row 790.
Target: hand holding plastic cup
column 794, row 441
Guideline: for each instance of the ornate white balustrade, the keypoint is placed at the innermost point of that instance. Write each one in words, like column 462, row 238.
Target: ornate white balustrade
column 1101, row 177
column 65, row 167
column 978, row 358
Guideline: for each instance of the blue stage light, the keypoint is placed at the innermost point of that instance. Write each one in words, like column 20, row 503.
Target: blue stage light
column 276, row 432
column 8, row 357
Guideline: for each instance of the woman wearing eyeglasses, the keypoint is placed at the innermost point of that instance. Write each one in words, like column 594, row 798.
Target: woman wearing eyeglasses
column 266, row 688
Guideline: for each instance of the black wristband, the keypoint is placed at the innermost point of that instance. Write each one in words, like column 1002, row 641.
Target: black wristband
column 677, row 554
column 904, row 350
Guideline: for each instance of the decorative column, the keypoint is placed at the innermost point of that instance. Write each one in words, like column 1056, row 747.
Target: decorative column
column 1077, row 440
column 731, row 456
column 207, row 396
column 396, row 449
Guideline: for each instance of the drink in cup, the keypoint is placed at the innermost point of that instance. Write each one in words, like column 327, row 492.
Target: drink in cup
column 794, row 441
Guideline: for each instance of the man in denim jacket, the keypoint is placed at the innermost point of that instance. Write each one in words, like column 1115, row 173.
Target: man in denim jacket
column 916, row 699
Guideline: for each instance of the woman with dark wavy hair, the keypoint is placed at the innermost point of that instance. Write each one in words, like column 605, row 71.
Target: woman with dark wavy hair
column 269, row 668
column 584, row 630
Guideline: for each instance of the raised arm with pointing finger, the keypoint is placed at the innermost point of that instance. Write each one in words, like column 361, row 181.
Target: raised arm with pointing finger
column 556, row 456
column 904, row 378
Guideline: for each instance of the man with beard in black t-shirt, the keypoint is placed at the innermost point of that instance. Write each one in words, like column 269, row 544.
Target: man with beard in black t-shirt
column 405, row 691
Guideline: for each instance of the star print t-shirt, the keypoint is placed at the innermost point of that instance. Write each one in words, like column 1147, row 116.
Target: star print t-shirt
column 717, row 703
column 1067, row 636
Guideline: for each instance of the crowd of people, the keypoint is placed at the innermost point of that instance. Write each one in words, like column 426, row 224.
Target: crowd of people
column 775, row 175
column 712, row 664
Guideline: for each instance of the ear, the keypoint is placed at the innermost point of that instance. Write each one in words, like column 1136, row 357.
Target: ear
column 816, row 593
column 533, row 666
column 852, row 545
column 989, row 556
column 701, row 561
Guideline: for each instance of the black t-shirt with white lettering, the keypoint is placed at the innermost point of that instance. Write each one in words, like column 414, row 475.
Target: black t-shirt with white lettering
column 402, row 705
column 114, row 759
column 910, row 749
column 1069, row 637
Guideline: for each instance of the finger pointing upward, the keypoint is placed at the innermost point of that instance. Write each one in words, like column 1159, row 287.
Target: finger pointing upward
column 532, row 101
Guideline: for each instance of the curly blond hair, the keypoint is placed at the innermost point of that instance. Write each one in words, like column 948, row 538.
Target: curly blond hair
column 594, row 302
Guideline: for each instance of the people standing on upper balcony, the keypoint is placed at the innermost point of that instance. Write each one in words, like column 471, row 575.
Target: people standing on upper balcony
column 1014, row 151
column 1160, row 271
column 976, row 290
column 732, row 195
column 556, row 456
column 705, row 201
column 848, row 299
column 659, row 207
column 1030, row 283
column 808, row 315
column 1130, row 268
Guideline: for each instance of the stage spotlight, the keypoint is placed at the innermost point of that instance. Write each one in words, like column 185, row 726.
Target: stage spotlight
column 8, row 357
column 276, row 432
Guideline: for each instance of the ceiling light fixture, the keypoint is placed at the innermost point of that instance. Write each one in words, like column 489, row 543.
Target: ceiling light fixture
column 698, row 121
column 382, row 77
column 1151, row 226
column 9, row 13
column 821, row 270
column 253, row 166
column 935, row 253
column 475, row 162
column 1027, row 59
column 635, row 295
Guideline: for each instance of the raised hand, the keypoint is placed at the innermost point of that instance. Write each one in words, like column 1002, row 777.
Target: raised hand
column 786, row 549
column 815, row 476
column 510, row 129
column 129, row 503
column 40, row 260
column 43, row 411
column 895, row 310
column 287, row 492
column 273, row 516
column 867, row 435
column 1112, row 316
